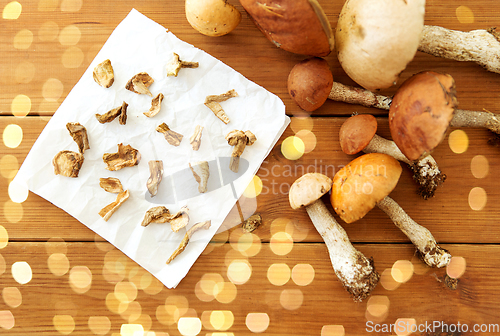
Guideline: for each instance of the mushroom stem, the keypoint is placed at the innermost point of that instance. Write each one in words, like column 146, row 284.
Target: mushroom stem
column 486, row 119
column 426, row 172
column 355, row 271
column 238, row 149
column 480, row 46
column 422, row 238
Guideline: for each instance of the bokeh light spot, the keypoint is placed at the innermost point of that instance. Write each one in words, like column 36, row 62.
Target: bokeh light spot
column 20, row 106
column 21, row 271
column 456, row 268
column 70, row 35
column 248, row 244
column 419, row 267
column 3, row 265
column 12, row 135
column 221, row 319
column 479, row 166
column 18, row 192
column 292, row 148
column 13, row 212
column 72, row 57
column 12, row 10
column 303, row 274
column 131, row 330
column 133, row 312
column 80, row 279
column 99, row 325
column 464, row 14
column 7, row 320
column 278, row 274
column 477, row 198
column 52, row 89
column 58, row 264
column 377, row 308
column 71, row 5
column 56, row 245
column 189, row 326
column 239, row 271
column 405, row 326
column 254, row 188
column 291, row 299
column 227, row 293
column 9, row 166
column 12, row 296
column 114, row 304
column 23, row 39
column 299, row 123
column 458, row 141
column 309, row 140
column 333, row 330
column 402, row 271
column 48, row 31
column 126, row 291
column 4, row 237
column 257, row 322
column 281, row 243
column 65, row 324
column 387, row 281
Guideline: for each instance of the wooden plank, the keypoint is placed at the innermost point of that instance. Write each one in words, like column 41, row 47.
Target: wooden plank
column 291, row 302
column 448, row 215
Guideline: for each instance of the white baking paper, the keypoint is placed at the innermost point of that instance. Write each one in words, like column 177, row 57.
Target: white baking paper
column 140, row 45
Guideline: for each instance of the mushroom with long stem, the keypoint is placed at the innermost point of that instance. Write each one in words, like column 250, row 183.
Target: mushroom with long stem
column 367, row 181
column 239, row 140
column 356, row 272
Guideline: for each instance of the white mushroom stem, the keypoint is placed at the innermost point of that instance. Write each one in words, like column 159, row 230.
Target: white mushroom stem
column 465, row 118
column 355, row 271
column 480, row 46
column 426, row 172
column 422, row 238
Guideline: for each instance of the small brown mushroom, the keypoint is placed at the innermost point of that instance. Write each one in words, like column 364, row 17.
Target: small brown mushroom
column 367, row 181
column 182, row 246
column 356, row 272
column 176, row 64
column 155, row 106
column 111, row 184
column 111, row 208
column 201, row 173
column 155, row 176
column 172, row 137
column 111, row 115
column 140, row 83
column 125, row 157
column 239, row 140
column 159, row 214
column 213, row 103
column 195, row 139
column 79, row 133
column 252, row 223
column 357, row 134
column 67, row 163
column 103, row 74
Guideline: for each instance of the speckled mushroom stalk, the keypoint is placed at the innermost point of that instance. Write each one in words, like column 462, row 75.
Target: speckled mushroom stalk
column 356, row 272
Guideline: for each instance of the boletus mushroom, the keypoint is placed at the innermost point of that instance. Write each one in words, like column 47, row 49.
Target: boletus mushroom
column 367, row 181
column 212, row 17
column 356, row 272
column 358, row 133
column 298, row 26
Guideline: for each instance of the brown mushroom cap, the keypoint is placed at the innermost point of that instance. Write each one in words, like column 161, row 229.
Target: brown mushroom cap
column 298, row 26
column 310, row 82
column 421, row 111
column 357, row 132
column 308, row 188
column 362, row 183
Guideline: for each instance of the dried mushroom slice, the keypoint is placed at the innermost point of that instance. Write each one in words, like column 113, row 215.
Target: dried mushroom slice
column 120, row 111
column 172, row 137
column 182, row 246
column 125, row 157
column 67, row 163
column 201, row 172
column 103, row 74
column 212, row 102
column 158, row 214
column 140, row 83
column 111, row 184
column 156, row 174
column 155, row 106
column 110, row 209
column 180, row 219
column 195, row 139
column 252, row 223
column 79, row 133
column 176, row 64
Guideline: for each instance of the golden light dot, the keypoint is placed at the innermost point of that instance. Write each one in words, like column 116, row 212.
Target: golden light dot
column 402, row 271
column 47, row 5
column 479, row 166
column 387, row 281
column 4, row 237
column 7, row 320
column 228, row 292
column 254, row 188
column 70, row 35
column 58, row 264
column 239, row 271
column 133, row 312
column 21, row 271
column 281, row 243
column 52, row 89
column 377, row 307
column 419, row 267
column 291, row 299
column 209, row 283
column 56, row 245
column 309, row 140
column 333, row 330
column 257, row 322
column 72, row 57
column 477, row 198
column 249, row 244
column 48, row 31
column 300, row 123
column 146, row 280
column 9, row 166
column 189, row 326
column 20, row 106
column 18, row 192
column 464, row 14
column 13, row 212
column 126, row 291
column 233, row 255
column 25, row 72
column 146, row 322
column 280, row 224
column 221, row 319
column 3, row 266
column 65, row 324
column 458, row 141
column 80, row 279
column 12, row 296
column 99, row 325
column 23, row 39
column 131, row 330
column 12, row 10
column 114, row 304
column 303, row 274
column 12, row 135
column 71, row 5
column 154, row 288
column 201, row 294
column 177, row 305
column 404, row 326
column 456, row 268
column 293, row 148
column 278, row 274
column 164, row 317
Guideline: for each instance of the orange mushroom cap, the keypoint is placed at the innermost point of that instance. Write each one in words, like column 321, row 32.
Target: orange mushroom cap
column 357, row 132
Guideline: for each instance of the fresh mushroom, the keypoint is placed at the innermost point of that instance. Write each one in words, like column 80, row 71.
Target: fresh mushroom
column 212, row 17
column 358, row 133
column 239, row 140
column 367, row 181
column 356, row 272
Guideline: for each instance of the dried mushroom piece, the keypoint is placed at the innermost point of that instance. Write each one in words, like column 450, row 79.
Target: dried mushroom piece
column 172, row 137
column 155, row 106
column 195, row 139
column 179, row 219
column 110, row 209
column 111, row 184
column 252, row 223
column 201, row 172
column 67, row 163
column 212, row 102
column 182, row 246
column 79, row 133
column 239, row 140
column 125, row 157
column 158, row 214
column 120, row 111
column 103, row 74
column 140, row 84
column 176, row 64
column 156, row 174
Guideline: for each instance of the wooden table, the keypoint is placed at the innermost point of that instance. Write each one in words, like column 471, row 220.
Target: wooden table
column 58, row 277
